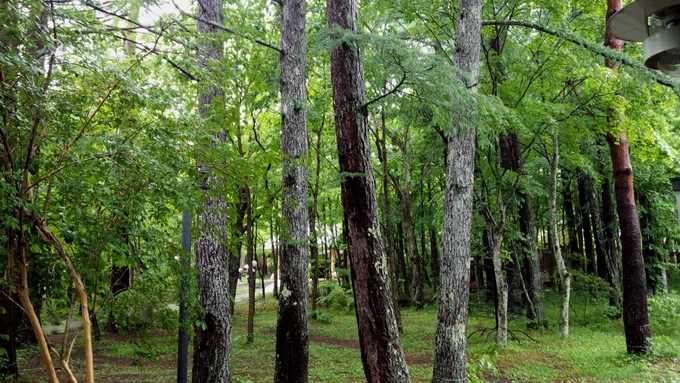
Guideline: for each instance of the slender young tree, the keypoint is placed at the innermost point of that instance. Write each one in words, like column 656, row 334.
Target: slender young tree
column 212, row 342
column 635, row 317
column 292, row 329
column 389, row 231
column 314, row 214
column 381, row 352
column 454, row 274
column 403, row 189
column 565, row 276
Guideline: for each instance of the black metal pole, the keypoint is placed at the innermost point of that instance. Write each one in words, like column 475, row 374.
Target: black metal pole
column 183, row 336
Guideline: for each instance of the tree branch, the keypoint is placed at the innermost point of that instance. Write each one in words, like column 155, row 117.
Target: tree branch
column 233, row 32
column 595, row 48
column 393, row 90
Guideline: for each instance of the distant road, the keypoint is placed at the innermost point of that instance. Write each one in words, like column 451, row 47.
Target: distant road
column 75, row 324
column 268, row 289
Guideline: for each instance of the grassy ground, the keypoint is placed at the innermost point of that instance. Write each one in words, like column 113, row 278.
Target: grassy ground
column 594, row 352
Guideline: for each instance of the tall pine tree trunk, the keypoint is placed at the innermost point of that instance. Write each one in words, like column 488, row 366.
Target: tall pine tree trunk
column 635, row 317
column 212, row 341
column 381, row 352
column 292, row 332
column 454, row 274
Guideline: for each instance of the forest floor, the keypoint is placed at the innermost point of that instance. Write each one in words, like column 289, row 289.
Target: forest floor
column 594, row 352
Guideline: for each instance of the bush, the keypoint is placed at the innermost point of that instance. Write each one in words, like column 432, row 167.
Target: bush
column 141, row 308
column 335, row 297
column 476, row 372
column 664, row 311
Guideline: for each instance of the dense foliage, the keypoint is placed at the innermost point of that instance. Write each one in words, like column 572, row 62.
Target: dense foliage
column 103, row 147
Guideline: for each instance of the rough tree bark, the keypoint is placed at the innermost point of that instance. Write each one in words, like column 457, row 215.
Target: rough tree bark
column 454, row 274
column 381, row 352
column 635, row 316
column 212, row 342
column 292, row 329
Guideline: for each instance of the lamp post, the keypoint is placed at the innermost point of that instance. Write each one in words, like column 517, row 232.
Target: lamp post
column 657, row 24
column 183, row 335
column 676, row 187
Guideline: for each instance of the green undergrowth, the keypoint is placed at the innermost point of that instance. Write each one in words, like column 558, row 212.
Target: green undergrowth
column 594, row 352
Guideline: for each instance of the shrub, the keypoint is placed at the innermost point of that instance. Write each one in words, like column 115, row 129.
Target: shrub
column 141, row 308
column 335, row 297
column 664, row 311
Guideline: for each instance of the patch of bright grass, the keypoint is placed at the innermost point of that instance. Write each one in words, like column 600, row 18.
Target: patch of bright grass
column 594, row 352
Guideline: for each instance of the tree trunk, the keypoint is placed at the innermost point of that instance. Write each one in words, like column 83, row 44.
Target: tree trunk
column 494, row 237
column 404, row 192
column 565, row 276
column 120, row 275
column 292, row 349
column 237, row 229
column 412, row 246
column 635, row 317
column 612, row 251
column 511, row 159
column 588, row 261
column 313, row 214
column 434, row 257
column 119, row 281
column 51, row 239
column 572, row 229
column 403, row 267
column 489, row 276
column 653, row 259
column 277, row 259
column 381, row 352
column 212, row 341
column 252, row 274
column 389, row 232
column 515, row 293
column 454, row 275
column 532, row 264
